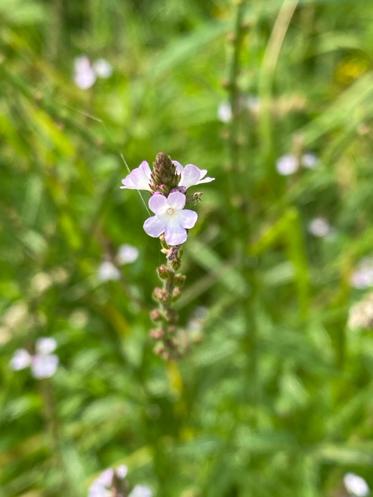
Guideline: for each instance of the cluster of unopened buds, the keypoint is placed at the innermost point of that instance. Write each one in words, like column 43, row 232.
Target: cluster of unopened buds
column 168, row 182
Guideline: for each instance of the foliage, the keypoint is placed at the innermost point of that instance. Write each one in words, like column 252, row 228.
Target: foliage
column 276, row 399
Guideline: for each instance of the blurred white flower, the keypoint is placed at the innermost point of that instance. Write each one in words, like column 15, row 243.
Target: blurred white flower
column 225, row 112
column 362, row 277
column 45, row 345
column 309, row 160
column 356, row 485
column 319, row 227
column 20, row 360
column 84, row 74
column 101, row 486
column 108, row 272
column 122, row 471
column 127, row 254
column 44, row 366
column 141, row 491
column 287, row 164
column 361, row 314
column 103, row 68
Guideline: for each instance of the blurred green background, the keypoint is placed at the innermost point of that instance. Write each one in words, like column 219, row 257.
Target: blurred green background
column 275, row 99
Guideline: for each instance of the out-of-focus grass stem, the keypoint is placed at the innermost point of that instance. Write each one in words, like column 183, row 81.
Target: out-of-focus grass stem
column 266, row 78
column 237, row 38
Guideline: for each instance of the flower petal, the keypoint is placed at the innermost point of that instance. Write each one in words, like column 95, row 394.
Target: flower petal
column 158, row 203
column 44, row 366
column 205, row 180
column 154, row 226
column 190, row 176
column 139, row 178
column 176, row 200
column 187, row 218
column 175, row 234
column 20, row 360
column 179, row 168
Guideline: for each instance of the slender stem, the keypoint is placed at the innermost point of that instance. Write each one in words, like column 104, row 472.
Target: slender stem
column 234, row 92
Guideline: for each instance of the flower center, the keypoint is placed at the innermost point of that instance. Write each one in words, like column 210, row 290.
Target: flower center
column 170, row 211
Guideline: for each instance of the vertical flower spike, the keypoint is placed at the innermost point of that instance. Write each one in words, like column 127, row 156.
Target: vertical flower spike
column 168, row 183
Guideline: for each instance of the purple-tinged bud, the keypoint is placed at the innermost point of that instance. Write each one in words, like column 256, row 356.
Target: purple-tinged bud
column 163, row 272
column 160, row 295
column 176, row 292
column 156, row 333
column 155, row 315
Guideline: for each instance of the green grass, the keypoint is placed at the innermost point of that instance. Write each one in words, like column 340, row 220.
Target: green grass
column 276, row 398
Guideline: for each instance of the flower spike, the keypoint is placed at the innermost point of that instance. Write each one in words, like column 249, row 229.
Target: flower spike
column 168, row 182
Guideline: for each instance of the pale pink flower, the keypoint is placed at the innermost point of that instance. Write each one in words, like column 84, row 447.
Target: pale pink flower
column 319, row 227
column 287, row 165
column 356, row 485
column 141, row 491
column 171, row 219
column 107, row 271
column 140, row 177
column 20, row 360
column 84, row 75
column 127, row 254
column 191, row 175
column 43, row 363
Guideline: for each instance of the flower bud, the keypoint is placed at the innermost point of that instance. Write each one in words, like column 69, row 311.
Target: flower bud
column 156, row 333
column 163, row 271
column 160, row 295
column 176, row 292
column 179, row 279
column 155, row 315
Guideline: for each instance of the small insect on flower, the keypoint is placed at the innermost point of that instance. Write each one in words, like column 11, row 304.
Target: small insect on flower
column 171, row 219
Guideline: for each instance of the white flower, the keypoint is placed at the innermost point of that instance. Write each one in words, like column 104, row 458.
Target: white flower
column 319, row 226
column 44, row 366
column 101, row 486
column 108, row 272
column 191, row 175
column 140, row 177
column 171, row 219
column 356, row 485
column 141, row 491
column 121, row 471
column 225, row 112
column 362, row 277
column 84, row 75
column 127, row 254
column 103, row 68
column 287, row 165
column 45, row 345
column 309, row 160
column 20, row 360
